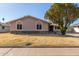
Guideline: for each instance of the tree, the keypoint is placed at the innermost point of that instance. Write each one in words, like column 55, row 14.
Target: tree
column 62, row 14
column 3, row 19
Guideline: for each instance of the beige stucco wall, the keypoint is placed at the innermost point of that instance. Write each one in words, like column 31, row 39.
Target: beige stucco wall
column 29, row 24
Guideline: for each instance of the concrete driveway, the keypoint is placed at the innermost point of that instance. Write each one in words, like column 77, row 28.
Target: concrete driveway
column 38, row 51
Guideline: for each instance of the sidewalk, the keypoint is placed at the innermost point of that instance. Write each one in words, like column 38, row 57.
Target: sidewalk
column 38, row 51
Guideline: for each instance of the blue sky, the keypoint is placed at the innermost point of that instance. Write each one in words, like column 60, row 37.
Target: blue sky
column 14, row 11
column 11, row 11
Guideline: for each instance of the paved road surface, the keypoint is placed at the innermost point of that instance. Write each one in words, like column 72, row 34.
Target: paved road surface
column 38, row 51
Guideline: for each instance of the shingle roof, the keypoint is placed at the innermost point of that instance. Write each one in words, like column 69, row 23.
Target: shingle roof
column 28, row 17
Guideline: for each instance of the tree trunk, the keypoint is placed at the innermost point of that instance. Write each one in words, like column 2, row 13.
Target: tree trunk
column 63, row 31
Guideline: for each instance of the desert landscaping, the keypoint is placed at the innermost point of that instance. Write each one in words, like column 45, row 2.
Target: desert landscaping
column 37, row 40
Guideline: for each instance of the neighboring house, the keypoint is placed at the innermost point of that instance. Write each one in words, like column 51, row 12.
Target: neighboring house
column 4, row 27
column 30, row 23
column 74, row 28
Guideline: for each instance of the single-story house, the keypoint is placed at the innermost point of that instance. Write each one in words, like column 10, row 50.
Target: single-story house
column 32, row 24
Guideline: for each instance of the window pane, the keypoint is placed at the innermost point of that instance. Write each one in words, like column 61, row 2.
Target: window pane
column 40, row 27
column 20, row 26
column 17, row 26
column 37, row 26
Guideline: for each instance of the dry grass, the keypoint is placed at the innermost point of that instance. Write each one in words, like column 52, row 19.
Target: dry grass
column 7, row 39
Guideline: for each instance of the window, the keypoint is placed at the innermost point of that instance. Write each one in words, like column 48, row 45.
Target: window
column 39, row 26
column 19, row 26
column 3, row 27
